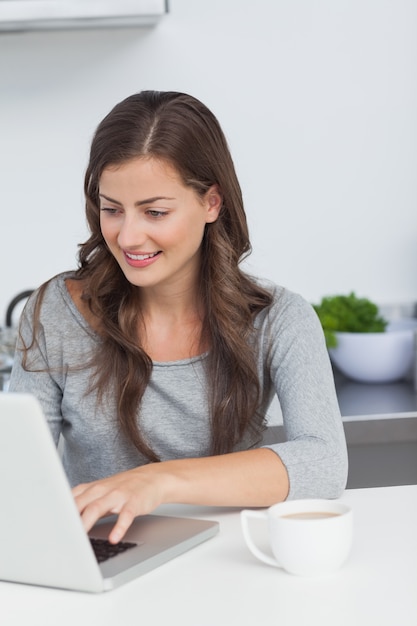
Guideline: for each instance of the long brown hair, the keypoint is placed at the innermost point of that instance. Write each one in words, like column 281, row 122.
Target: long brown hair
column 179, row 130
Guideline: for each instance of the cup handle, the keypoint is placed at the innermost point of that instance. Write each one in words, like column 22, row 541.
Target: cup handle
column 245, row 516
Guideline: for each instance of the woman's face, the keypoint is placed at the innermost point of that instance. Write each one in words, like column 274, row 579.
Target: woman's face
column 153, row 224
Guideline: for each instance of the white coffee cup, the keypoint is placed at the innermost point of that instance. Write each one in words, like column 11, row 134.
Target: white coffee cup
column 307, row 537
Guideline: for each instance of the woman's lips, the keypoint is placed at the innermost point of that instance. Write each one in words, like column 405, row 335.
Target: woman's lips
column 141, row 260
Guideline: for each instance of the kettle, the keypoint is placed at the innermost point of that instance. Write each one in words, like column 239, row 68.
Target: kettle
column 8, row 340
column 23, row 295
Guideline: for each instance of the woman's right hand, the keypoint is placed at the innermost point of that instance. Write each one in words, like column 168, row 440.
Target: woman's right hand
column 135, row 492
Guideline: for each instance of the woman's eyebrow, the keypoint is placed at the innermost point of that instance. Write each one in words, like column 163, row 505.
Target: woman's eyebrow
column 139, row 202
column 151, row 200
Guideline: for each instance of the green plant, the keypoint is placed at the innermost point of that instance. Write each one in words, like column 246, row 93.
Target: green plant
column 348, row 314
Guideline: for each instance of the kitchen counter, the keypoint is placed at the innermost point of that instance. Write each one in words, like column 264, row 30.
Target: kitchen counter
column 367, row 401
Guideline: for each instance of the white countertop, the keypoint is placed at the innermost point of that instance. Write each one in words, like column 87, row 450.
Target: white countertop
column 219, row 583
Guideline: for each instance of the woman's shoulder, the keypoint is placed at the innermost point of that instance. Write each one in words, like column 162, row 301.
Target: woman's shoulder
column 283, row 297
column 287, row 306
column 51, row 293
column 58, row 299
column 289, row 321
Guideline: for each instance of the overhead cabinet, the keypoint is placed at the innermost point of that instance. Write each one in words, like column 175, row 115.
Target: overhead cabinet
column 18, row 15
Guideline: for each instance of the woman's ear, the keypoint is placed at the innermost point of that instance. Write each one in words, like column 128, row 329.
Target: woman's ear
column 213, row 201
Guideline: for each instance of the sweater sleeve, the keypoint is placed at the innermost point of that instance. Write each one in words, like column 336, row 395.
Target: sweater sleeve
column 37, row 378
column 314, row 452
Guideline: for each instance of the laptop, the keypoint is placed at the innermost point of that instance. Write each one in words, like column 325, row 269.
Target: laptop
column 42, row 539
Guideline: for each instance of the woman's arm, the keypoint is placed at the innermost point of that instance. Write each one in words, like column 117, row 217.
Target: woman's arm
column 314, row 451
column 250, row 478
column 36, row 378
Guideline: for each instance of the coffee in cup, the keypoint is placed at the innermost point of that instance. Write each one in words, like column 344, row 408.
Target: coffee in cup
column 307, row 537
column 311, row 515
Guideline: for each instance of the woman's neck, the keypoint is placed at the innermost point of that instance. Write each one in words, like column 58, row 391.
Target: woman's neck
column 171, row 326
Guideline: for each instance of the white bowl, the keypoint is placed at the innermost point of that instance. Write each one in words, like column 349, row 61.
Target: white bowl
column 377, row 357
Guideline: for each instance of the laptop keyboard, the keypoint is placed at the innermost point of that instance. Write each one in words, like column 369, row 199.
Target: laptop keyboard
column 104, row 550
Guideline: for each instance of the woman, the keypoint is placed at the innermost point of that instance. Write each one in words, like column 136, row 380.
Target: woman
column 157, row 359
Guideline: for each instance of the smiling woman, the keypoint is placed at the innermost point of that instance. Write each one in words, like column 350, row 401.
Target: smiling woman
column 157, row 359
column 157, row 223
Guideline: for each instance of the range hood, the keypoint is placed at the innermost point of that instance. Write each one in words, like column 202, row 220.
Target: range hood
column 23, row 15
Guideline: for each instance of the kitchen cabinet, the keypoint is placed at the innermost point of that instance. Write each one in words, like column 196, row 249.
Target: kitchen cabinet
column 29, row 15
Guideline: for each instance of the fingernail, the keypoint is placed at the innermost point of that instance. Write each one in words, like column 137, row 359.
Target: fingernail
column 115, row 536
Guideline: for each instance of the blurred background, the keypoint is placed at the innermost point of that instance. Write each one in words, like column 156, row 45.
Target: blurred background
column 318, row 100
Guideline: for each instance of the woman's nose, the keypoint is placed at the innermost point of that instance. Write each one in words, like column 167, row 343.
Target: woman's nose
column 132, row 232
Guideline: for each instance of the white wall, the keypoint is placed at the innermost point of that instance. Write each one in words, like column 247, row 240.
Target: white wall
column 318, row 99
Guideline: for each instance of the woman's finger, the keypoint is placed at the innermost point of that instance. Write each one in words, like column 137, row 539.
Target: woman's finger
column 124, row 521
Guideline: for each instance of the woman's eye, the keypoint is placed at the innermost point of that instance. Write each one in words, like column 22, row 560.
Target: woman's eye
column 155, row 213
column 109, row 210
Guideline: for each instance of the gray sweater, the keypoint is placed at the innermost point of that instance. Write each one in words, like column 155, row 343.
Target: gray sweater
column 174, row 417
